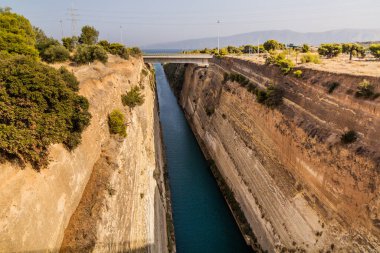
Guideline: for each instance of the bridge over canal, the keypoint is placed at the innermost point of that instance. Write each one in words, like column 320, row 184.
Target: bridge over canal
column 200, row 59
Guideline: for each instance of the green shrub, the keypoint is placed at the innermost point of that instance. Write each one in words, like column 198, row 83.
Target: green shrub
column 70, row 42
column 87, row 54
column 55, row 53
column 349, row 137
column 69, row 78
column 305, row 48
column 261, row 96
column 309, row 57
column 274, row 96
column 298, row 73
column 16, row 34
column 285, row 65
column 118, row 49
column 105, row 44
column 133, row 97
column 135, row 51
column 375, row 50
column 144, row 72
column 38, row 108
column 223, row 51
column 210, row 111
column 332, row 87
column 116, row 123
column 330, row 50
column 271, row 97
column 121, row 50
column 365, row 90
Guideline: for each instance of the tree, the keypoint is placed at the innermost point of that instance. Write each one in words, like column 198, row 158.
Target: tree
column 43, row 43
column 233, row 50
column 305, row 48
column 246, row 49
column 89, row 35
column 353, row 49
column 270, row 45
column 70, row 42
column 330, row 50
column 16, row 34
column 375, row 50
column 55, row 53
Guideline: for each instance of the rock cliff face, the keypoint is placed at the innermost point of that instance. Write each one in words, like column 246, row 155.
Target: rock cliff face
column 299, row 187
column 106, row 195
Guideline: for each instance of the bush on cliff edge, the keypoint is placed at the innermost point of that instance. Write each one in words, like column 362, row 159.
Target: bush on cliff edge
column 38, row 107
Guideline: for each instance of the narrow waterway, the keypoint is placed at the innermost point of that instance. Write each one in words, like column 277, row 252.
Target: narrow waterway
column 202, row 219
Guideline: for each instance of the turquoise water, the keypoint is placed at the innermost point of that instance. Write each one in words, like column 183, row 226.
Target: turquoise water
column 202, row 220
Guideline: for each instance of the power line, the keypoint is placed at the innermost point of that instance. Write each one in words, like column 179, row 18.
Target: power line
column 73, row 18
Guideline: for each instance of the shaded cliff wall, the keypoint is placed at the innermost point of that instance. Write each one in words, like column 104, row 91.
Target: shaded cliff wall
column 114, row 178
column 298, row 186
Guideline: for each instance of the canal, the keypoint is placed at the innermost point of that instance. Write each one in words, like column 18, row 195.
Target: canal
column 202, row 219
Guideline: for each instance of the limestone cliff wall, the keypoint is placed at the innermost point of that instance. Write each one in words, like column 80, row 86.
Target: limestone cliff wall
column 119, row 181
column 297, row 185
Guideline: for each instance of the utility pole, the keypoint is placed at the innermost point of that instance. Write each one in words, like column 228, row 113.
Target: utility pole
column 74, row 18
column 121, row 34
column 61, row 27
column 218, row 25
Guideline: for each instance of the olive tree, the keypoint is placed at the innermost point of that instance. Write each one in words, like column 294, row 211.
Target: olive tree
column 330, row 50
column 353, row 49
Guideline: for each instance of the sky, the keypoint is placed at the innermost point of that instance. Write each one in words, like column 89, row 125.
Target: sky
column 145, row 22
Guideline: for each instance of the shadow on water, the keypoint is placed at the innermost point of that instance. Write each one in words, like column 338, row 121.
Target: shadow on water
column 202, row 219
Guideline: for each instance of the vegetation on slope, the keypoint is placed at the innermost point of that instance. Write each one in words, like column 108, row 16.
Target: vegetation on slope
column 272, row 96
column 133, row 97
column 280, row 60
column 116, row 123
column 38, row 104
column 39, row 107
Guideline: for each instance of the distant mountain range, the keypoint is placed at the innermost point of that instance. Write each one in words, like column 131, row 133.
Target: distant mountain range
column 284, row 36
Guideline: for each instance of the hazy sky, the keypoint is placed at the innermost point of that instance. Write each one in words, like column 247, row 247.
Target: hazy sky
column 146, row 22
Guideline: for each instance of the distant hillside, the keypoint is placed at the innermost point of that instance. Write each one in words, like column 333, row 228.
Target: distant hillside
column 285, row 36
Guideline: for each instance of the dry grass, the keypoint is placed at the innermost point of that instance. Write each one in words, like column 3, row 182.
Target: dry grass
column 341, row 64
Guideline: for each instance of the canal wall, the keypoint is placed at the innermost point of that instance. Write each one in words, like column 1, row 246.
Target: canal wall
column 298, row 186
column 108, row 195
